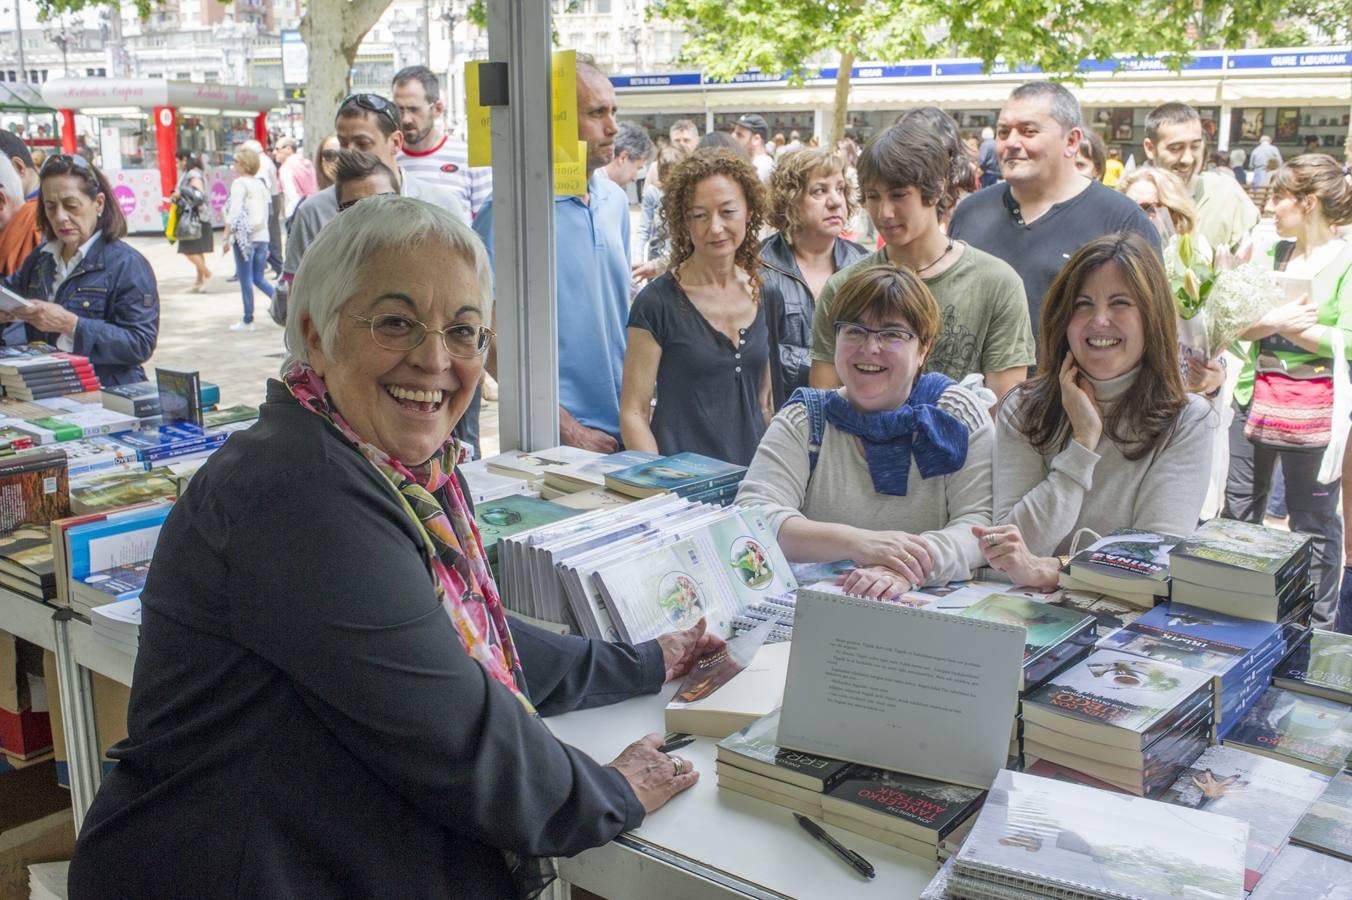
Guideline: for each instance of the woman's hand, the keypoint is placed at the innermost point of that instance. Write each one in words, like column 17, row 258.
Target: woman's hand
column 1005, row 551
column 654, row 776
column 1086, row 425
column 875, row 582
column 45, row 316
column 681, row 649
column 1290, row 318
column 903, row 553
column 1204, row 377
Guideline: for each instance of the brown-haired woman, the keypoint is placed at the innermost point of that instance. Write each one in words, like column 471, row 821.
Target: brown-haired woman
column 893, row 469
column 1312, row 195
column 89, row 292
column 698, row 341
column 810, row 205
column 1105, row 436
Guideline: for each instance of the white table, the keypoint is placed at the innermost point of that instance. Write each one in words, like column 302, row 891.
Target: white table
column 710, row 843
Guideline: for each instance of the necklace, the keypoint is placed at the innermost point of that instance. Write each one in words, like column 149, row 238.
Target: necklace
column 936, row 259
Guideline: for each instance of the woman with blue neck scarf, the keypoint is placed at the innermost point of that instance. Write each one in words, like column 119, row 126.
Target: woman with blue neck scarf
column 1105, row 436
column 892, row 470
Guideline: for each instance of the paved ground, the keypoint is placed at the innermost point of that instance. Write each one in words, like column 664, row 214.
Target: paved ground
column 195, row 331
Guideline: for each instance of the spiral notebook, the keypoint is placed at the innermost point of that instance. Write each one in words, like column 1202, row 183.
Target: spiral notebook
column 898, row 688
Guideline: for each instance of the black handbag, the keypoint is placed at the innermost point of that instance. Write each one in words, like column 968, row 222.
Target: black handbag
column 189, row 227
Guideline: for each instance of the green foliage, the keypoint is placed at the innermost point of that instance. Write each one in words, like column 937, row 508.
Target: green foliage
column 49, row 8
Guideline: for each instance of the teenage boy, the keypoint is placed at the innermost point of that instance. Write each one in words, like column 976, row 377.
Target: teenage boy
column 904, row 177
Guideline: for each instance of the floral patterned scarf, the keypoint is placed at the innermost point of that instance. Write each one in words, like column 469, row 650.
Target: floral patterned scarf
column 463, row 582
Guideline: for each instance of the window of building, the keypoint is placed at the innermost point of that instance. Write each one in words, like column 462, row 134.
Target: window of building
column 603, row 7
column 211, row 76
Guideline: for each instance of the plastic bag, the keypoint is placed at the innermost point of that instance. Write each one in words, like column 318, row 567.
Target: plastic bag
column 171, row 223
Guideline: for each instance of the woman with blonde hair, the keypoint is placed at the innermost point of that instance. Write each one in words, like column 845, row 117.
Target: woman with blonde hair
column 810, row 205
column 698, row 341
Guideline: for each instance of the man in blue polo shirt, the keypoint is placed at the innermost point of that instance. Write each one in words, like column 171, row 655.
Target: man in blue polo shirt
column 1044, row 210
column 591, row 259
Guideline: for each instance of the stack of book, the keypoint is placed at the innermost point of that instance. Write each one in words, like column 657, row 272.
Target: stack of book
column 485, row 486
column 1319, row 664
column 26, row 565
column 1132, row 722
column 113, row 544
column 114, row 584
column 1327, row 825
column 1271, row 796
column 1128, row 564
column 119, row 624
column 74, row 421
column 1313, row 732
column 142, row 399
column 180, row 442
column 750, row 762
column 1036, row 837
column 590, row 475
column 1244, row 570
column 702, row 479
column 1300, row 874
column 531, row 466
column 38, row 371
column 1054, row 638
column 1239, row 654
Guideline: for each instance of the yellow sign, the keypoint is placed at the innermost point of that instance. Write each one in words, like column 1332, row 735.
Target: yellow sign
column 480, row 120
column 570, row 154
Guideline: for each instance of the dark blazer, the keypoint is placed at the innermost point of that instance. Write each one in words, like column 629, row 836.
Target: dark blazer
column 114, row 293
column 788, row 311
column 304, row 722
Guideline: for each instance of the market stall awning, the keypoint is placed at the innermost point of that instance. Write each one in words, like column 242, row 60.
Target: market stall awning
column 1288, row 91
column 22, row 97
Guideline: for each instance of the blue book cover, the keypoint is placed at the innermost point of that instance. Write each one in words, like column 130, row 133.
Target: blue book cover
column 120, row 539
column 683, row 473
column 1196, row 638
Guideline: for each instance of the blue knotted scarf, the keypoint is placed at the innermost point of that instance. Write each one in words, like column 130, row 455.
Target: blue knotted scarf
column 917, row 429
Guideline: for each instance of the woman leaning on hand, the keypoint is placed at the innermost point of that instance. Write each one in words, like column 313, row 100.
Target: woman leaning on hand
column 893, row 469
column 328, row 699
column 90, row 292
column 1312, row 194
column 1105, row 435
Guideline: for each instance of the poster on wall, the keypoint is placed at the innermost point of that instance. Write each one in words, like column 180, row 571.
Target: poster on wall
column 1251, row 125
column 1288, row 124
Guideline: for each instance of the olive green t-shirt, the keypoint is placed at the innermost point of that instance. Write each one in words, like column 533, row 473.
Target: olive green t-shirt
column 982, row 312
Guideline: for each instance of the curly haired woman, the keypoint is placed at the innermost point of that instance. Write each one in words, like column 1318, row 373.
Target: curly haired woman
column 698, row 340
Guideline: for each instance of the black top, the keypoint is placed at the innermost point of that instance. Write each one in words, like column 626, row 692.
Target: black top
column 990, row 220
column 708, row 391
column 304, row 722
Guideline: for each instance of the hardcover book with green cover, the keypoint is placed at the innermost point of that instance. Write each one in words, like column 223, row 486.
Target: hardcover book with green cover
column 1240, row 556
column 1047, row 631
column 1115, row 698
column 1327, row 826
column 1309, row 731
column 1321, row 665
column 507, row 516
column 1268, row 794
column 683, row 473
column 753, row 748
column 907, row 804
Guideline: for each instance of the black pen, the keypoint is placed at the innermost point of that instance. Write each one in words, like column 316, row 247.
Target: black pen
column 863, row 866
column 677, row 744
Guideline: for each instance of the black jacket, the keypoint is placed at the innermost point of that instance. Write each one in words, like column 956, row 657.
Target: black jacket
column 789, row 306
column 114, row 293
column 304, row 722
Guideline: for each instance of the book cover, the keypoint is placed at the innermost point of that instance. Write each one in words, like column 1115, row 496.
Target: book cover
column 911, row 805
column 1045, row 627
column 115, row 539
column 533, row 466
column 1039, row 833
column 1119, row 691
column 1320, row 664
column 750, row 694
column 1128, row 553
column 1227, row 543
column 180, row 395
column 750, row 556
column 120, row 582
column 1270, row 795
column 1300, row 874
column 667, row 588
column 508, row 515
column 1308, row 731
column 27, row 553
column 683, row 473
column 1327, row 825
column 34, row 488
column 1111, row 612
column 116, row 489
column 592, row 472
column 139, row 398
column 753, row 748
column 1195, row 638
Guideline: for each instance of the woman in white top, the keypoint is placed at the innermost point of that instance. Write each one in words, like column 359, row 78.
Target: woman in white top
column 1105, row 436
column 893, row 469
column 246, row 231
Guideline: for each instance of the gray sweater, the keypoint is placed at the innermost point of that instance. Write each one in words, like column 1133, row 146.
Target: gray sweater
column 942, row 510
column 1052, row 497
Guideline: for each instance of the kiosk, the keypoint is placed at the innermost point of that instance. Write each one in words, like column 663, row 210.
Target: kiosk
column 135, row 126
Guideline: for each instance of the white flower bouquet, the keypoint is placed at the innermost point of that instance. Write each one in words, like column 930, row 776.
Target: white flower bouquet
column 1229, row 288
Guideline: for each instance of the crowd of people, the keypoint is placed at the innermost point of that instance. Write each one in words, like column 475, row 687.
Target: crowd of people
column 994, row 373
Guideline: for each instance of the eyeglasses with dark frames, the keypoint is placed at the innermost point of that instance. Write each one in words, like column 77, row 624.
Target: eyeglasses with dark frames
column 852, row 334
column 375, row 103
column 393, row 331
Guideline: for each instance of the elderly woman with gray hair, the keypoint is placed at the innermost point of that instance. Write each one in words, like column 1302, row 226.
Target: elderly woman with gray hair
column 328, row 699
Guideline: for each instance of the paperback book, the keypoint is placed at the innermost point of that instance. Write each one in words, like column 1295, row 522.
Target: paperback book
column 1128, row 559
column 180, row 396
column 1111, row 612
column 1240, row 556
column 917, row 807
column 682, row 474
column 34, row 488
column 26, row 562
column 1327, row 825
column 1052, row 636
column 754, row 749
column 1308, row 731
column 508, row 515
column 580, row 476
column 1320, row 664
column 1270, row 795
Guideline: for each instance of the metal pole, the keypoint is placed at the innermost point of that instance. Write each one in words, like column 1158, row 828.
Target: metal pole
column 18, row 33
column 523, row 223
